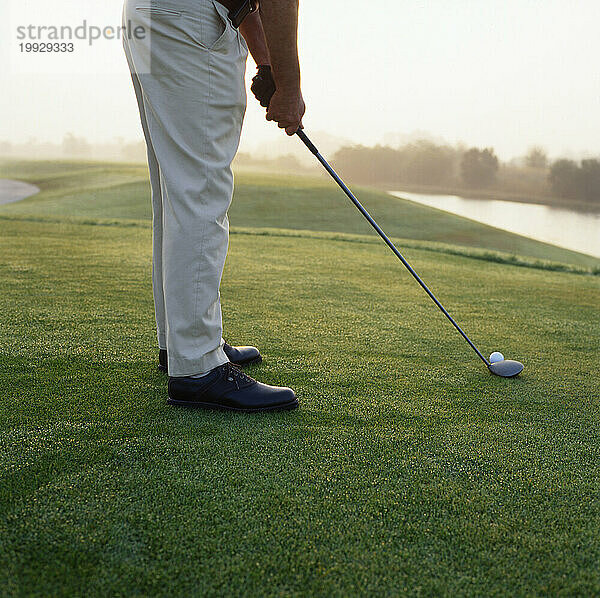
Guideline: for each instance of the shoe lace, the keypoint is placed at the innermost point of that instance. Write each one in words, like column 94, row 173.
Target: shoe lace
column 232, row 373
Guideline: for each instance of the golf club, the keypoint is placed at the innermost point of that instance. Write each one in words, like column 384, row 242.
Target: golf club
column 506, row 368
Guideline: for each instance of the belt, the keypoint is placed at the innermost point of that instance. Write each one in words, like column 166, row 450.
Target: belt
column 239, row 9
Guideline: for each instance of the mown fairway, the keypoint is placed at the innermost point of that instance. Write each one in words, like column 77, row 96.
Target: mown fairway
column 408, row 469
column 119, row 191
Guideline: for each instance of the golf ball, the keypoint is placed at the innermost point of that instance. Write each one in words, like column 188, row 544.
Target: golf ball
column 496, row 356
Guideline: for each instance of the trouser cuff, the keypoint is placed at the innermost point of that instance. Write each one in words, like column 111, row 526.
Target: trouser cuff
column 180, row 366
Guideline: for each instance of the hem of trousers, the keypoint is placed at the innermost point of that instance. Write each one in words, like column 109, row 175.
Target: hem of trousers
column 181, row 367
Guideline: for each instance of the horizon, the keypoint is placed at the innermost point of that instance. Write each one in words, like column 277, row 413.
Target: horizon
column 509, row 73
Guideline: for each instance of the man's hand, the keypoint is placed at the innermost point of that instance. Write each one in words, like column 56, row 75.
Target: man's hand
column 287, row 109
column 263, row 85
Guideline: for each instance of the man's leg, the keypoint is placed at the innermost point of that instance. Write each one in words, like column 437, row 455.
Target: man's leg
column 194, row 102
column 191, row 77
column 157, row 221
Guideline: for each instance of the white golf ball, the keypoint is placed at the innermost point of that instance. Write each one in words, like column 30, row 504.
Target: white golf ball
column 496, row 356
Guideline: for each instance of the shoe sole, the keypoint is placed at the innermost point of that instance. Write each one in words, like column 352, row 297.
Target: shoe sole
column 163, row 370
column 216, row 407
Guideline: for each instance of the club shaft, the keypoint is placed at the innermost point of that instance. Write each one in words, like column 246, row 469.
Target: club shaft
column 387, row 240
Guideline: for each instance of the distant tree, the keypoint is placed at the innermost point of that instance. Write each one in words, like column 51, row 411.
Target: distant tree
column 428, row 164
column 590, row 180
column 478, row 168
column 537, row 158
column 573, row 181
column 421, row 163
column 368, row 164
column 75, row 146
column 564, row 178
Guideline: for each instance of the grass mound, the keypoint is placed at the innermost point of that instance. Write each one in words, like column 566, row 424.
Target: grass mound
column 97, row 191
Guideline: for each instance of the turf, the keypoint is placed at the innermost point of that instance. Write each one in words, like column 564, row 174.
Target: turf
column 97, row 190
column 408, row 470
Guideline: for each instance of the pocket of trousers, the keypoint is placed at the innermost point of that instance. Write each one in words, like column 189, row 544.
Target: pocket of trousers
column 211, row 29
column 156, row 11
column 225, row 26
column 205, row 24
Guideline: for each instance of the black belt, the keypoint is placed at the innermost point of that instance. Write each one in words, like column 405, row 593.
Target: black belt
column 239, row 10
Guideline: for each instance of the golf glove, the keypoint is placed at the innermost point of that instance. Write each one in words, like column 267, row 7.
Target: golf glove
column 263, row 85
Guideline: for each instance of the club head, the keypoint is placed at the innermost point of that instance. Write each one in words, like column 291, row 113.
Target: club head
column 506, row 368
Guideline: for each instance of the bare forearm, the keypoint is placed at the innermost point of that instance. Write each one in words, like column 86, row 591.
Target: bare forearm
column 280, row 23
column 253, row 32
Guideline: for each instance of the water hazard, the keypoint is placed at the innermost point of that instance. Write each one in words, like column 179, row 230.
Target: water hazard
column 579, row 231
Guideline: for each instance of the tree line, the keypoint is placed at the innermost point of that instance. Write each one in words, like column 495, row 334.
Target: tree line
column 573, row 180
column 430, row 165
column 422, row 164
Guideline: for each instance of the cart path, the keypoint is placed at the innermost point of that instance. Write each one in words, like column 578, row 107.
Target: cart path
column 11, row 191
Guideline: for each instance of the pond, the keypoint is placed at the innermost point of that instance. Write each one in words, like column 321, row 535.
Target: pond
column 579, row 231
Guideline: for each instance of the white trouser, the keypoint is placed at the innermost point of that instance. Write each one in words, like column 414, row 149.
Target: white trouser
column 188, row 75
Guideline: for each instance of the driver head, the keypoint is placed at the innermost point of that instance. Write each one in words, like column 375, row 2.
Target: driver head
column 507, row 368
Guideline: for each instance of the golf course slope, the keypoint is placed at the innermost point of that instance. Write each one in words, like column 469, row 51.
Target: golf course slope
column 408, row 470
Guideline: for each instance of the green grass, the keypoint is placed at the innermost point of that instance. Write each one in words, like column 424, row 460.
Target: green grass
column 109, row 191
column 408, row 469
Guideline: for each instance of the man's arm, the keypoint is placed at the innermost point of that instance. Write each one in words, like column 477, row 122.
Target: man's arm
column 280, row 23
column 253, row 32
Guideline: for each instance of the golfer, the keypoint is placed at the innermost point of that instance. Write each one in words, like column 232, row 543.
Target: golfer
column 188, row 59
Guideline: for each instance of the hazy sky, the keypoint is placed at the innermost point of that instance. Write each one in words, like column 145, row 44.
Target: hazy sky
column 501, row 73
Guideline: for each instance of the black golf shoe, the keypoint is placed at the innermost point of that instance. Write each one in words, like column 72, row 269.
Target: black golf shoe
column 241, row 356
column 228, row 388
